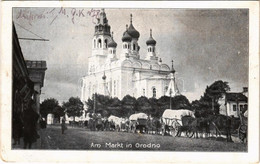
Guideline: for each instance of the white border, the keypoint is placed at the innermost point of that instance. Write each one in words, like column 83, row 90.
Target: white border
column 129, row 156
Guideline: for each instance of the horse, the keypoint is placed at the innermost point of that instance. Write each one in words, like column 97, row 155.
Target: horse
column 222, row 125
column 186, row 126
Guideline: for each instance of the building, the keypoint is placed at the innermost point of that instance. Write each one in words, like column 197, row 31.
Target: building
column 28, row 78
column 117, row 75
column 231, row 104
column 36, row 71
column 22, row 90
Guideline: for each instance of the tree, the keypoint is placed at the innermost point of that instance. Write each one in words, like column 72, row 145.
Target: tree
column 143, row 105
column 128, row 105
column 154, row 107
column 48, row 106
column 209, row 100
column 180, row 102
column 73, row 107
column 58, row 112
column 115, row 108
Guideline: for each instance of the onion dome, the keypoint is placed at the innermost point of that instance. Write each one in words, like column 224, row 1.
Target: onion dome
column 104, row 76
column 126, row 37
column 151, row 41
column 132, row 31
column 172, row 70
column 112, row 43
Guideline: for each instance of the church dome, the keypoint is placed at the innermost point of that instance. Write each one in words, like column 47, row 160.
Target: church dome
column 112, row 43
column 104, row 76
column 151, row 41
column 126, row 37
column 132, row 31
column 172, row 70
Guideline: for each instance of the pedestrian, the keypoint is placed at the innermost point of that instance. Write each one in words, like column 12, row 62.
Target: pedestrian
column 17, row 128
column 63, row 126
column 30, row 125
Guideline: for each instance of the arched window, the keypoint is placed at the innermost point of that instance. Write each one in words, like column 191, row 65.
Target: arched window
column 154, row 92
column 165, row 89
column 105, row 43
column 143, row 92
column 94, row 43
column 133, row 46
column 114, row 87
column 99, row 43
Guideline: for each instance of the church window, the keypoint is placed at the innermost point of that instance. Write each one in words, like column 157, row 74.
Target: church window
column 114, row 87
column 234, row 107
column 241, row 107
column 165, row 89
column 94, row 43
column 143, row 92
column 154, row 92
column 99, row 43
column 245, row 107
column 133, row 46
column 105, row 43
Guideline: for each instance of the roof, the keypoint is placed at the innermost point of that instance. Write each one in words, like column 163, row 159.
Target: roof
column 235, row 97
column 36, row 64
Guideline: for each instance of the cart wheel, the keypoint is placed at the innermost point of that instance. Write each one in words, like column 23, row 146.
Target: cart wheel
column 189, row 133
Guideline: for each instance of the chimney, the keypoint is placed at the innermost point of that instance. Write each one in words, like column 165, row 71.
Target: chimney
column 245, row 91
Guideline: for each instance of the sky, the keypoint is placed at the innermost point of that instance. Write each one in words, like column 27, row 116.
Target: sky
column 205, row 44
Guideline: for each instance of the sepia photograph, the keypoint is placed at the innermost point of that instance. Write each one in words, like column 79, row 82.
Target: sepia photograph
column 130, row 79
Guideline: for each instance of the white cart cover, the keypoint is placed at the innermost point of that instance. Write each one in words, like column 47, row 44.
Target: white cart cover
column 170, row 115
column 115, row 119
column 86, row 118
column 136, row 116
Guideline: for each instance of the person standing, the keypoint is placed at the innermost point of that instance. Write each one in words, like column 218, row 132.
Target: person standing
column 30, row 125
column 63, row 126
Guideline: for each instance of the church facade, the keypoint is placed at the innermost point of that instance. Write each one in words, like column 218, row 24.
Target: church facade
column 118, row 75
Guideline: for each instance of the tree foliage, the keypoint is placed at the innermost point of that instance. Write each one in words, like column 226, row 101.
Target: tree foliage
column 73, row 107
column 52, row 106
column 129, row 105
column 209, row 100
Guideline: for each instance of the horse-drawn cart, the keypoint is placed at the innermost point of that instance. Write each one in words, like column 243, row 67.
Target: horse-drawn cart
column 242, row 130
column 172, row 120
column 138, row 122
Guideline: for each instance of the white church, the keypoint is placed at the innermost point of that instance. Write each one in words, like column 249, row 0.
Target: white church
column 118, row 75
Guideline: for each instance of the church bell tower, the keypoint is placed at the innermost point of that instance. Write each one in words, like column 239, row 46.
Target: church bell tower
column 101, row 38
